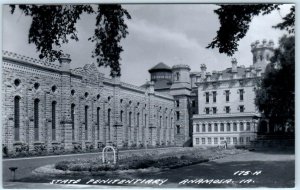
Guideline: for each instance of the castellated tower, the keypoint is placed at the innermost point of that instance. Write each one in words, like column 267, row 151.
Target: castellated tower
column 262, row 52
column 181, row 91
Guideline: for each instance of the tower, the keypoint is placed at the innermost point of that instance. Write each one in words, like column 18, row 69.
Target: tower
column 181, row 91
column 262, row 52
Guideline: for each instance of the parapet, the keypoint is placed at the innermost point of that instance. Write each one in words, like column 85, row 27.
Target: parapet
column 181, row 66
column 263, row 44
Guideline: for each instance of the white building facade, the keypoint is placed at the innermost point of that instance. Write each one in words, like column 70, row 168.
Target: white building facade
column 226, row 108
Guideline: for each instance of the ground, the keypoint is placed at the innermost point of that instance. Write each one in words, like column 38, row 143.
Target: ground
column 273, row 169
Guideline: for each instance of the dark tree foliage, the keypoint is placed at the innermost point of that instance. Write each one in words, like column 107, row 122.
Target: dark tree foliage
column 235, row 21
column 53, row 25
column 275, row 97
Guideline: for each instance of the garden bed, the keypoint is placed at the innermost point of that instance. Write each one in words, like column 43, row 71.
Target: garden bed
column 161, row 159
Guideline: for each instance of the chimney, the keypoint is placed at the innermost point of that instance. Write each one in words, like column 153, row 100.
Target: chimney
column 234, row 68
column 208, row 76
column 220, row 75
column 150, row 85
column 64, row 61
column 248, row 72
column 258, row 71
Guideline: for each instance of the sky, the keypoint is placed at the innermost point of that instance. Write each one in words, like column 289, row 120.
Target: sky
column 169, row 33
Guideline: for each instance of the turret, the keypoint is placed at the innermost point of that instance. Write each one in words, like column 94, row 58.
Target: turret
column 262, row 52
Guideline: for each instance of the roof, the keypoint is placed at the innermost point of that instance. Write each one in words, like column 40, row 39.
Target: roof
column 160, row 66
column 227, row 73
column 160, row 84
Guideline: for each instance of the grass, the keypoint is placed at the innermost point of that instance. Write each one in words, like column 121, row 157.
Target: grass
column 162, row 159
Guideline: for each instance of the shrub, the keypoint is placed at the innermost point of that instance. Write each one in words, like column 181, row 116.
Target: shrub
column 63, row 165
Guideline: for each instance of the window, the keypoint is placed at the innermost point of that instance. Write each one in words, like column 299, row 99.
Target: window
column 177, row 115
column 177, row 76
column 145, row 123
column 203, row 128
column 234, row 127
column 36, row 85
column 242, row 108
column 178, row 129
column 221, row 138
column 86, row 94
column 130, row 117
column 206, row 110
column 197, row 128
column 247, row 139
column 73, row 120
column 36, row 119
column 197, row 141
column 160, row 121
column 53, row 120
column 17, row 82
column 241, row 126
column 228, row 140
column 193, row 103
column 241, row 94
column 227, row 92
column 177, row 103
column 227, row 109
column 121, row 115
column 214, row 96
column 17, row 117
column 228, row 127
column 108, row 123
column 216, row 127
column 53, row 88
column 98, row 122
column 222, row 127
column 86, row 121
column 241, row 140
column 248, row 126
column 209, row 140
column 207, row 97
column 215, row 140
column 72, row 92
column 234, row 139
column 138, row 119
column 214, row 110
column 203, row 140
column 209, row 127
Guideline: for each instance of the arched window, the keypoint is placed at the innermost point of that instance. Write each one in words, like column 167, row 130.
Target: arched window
column 36, row 119
column 108, row 122
column 86, row 108
column 129, row 119
column 121, row 115
column 138, row 119
column 178, row 129
column 160, row 118
column 53, row 111
column 73, row 120
column 145, row 120
column 17, row 118
column 98, row 123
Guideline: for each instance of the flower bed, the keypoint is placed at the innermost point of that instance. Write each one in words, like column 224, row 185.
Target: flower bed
column 162, row 159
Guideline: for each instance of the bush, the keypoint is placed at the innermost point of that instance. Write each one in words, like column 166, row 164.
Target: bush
column 63, row 165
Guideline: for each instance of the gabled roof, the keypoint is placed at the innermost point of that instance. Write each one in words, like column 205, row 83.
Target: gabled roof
column 160, row 66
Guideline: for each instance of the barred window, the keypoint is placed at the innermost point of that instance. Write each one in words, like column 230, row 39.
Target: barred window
column 73, row 120
column 53, row 121
column 98, row 122
column 17, row 118
column 36, row 119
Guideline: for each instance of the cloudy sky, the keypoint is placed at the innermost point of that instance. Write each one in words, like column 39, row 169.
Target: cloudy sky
column 171, row 33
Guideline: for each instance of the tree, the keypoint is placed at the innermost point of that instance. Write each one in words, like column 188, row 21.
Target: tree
column 235, row 21
column 275, row 97
column 53, row 25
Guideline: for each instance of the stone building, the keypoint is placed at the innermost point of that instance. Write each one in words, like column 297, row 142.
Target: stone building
column 50, row 105
column 227, row 113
